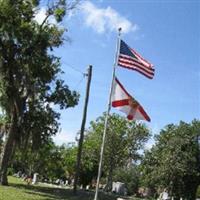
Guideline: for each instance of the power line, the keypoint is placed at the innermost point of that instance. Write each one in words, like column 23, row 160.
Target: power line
column 77, row 70
column 81, row 80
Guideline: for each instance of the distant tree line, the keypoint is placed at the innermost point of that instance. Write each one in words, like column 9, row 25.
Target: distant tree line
column 173, row 162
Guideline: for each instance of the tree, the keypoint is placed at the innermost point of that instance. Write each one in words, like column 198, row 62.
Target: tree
column 70, row 159
column 29, row 81
column 174, row 160
column 47, row 160
column 124, row 139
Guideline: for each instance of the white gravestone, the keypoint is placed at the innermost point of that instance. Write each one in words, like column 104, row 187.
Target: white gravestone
column 35, row 178
column 118, row 188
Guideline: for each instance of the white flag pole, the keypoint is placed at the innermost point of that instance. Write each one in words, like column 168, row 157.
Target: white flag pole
column 107, row 115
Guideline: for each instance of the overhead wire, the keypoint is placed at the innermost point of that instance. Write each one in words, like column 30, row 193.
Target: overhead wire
column 76, row 70
column 84, row 74
column 78, row 84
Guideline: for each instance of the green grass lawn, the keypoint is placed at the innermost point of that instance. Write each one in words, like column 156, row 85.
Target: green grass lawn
column 19, row 190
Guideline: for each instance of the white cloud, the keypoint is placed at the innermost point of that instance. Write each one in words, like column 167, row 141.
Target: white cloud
column 64, row 137
column 105, row 19
column 41, row 14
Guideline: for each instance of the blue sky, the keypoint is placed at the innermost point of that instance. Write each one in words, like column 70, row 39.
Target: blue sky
column 165, row 32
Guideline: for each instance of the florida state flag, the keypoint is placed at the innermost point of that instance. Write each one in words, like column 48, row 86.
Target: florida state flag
column 124, row 102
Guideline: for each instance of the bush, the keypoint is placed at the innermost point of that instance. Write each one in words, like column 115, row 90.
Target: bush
column 10, row 171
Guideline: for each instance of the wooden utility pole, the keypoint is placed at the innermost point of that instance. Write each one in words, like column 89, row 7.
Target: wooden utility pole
column 80, row 143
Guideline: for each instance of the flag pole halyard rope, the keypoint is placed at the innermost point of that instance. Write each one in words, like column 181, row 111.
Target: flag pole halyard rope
column 107, row 116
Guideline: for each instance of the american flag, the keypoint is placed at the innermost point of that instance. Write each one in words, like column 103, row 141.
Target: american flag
column 130, row 59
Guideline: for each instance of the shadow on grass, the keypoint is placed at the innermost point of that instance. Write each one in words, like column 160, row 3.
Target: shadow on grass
column 59, row 193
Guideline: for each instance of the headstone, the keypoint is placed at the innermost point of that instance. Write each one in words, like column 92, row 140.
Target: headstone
column 118, row 188
column 19, row 174
column 57, row 181
column 72, row 182
column 66, row 182
column 62, row 182
column 35, row 178
column 87, row 187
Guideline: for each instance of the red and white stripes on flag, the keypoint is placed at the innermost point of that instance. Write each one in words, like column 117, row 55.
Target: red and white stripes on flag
column 124, row 102
column 130, row 59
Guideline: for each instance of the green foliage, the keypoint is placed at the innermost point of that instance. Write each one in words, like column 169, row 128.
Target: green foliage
column 11, row 171
column 69, row 155
column 29, row 73
column 25, row 44
column 174, row 161
column 129, row 176
column 198, row 192
column 47, row 160
column 123, row 140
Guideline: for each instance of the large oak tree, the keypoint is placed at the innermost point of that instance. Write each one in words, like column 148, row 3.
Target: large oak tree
column 29, row 81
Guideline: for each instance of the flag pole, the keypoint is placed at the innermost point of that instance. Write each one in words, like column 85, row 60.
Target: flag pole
column 107, row 115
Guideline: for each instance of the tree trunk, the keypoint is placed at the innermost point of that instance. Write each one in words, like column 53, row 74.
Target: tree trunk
column 7, row 150
column 108, row 186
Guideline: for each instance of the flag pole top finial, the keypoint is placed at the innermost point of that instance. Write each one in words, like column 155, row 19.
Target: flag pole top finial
column 119, row 29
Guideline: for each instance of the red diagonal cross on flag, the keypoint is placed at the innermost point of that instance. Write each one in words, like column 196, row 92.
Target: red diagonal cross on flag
column 124, row 102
